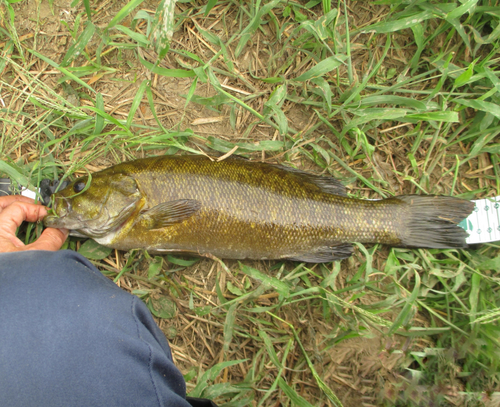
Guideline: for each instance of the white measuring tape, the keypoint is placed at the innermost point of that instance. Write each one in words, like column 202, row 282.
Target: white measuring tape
column 483, row 224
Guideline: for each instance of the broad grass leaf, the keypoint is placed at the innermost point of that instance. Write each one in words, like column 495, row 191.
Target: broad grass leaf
column 202, row 311
column 226, row 146
column 274, row 105
column 229, row 326
column 467, row 7
column 94, row 251
column 137, row 101
column 211, row 374
column 13, row 174
column 460, row 30
column 400, row 24
column 75, row 50
column 155, row 267
column 99, row 120
column 269, row 281
column 88, row 11
column 326, row 90
column 369, row 114
column 409, row 308
column 257, row 20
column 174, row 73
column 109, row 118
column 392, row 100
column 163, row 27
column 61, row 69
column 295, row 398
column 220, row 389
column 447, row 117
column 124, row 12
column 141, row 39
column 418, row 35
column 490, row 264
column 491, row 76
column 162, row 307
column 182, row 262
column 270, row 349
column 233, row 289
column 488, row 107
column 466, row 75
column 321, row 68
column 210, row 5
column 474, row 296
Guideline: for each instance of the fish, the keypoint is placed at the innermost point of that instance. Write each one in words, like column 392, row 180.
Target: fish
column 242, row 209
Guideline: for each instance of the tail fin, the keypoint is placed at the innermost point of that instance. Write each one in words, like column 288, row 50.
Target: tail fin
column 432, row 221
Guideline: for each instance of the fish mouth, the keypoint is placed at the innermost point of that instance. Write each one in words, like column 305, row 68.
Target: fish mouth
column 62, row 222
column 99, row 226
column 60, row 217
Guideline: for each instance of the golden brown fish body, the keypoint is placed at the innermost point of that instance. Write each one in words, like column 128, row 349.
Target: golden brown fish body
column 240, row 209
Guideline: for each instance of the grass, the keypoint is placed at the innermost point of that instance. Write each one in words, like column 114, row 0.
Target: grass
column 391, row 97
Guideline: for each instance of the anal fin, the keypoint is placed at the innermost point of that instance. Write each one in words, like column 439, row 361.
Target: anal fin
column 325, row 254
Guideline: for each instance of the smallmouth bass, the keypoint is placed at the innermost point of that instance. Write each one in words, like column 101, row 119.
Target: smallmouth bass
column 238, row 209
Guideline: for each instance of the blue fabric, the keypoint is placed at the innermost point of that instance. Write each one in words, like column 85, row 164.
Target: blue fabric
column 70, row 337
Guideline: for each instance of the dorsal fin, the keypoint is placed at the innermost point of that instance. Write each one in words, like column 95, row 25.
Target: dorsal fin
column 329, row 185
column 326, row 184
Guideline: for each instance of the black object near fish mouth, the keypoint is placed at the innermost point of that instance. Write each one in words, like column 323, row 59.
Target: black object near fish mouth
column 49, row 187
column 46, row 189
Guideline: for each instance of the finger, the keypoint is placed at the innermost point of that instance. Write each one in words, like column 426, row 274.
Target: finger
column 7, row 200
column 10, row 243
column 13, row 215
column 16, row 241
column 51, row 239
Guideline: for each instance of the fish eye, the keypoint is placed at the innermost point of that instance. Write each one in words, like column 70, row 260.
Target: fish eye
column 78, row 187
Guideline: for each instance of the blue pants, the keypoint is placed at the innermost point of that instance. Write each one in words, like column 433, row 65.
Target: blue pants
column 70, row 337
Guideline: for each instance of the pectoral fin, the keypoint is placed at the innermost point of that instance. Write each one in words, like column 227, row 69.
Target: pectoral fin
column 168, row 213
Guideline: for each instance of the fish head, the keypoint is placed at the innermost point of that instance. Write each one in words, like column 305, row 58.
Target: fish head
column 95, row 206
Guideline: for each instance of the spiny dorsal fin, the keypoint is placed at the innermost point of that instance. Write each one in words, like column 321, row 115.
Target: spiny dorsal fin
column 326, row 184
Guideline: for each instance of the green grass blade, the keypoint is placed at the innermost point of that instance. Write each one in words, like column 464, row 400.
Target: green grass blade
column 61, row 69
column 482, row 105
column 163, row 27
column 174, row 73
column 322, row 67
column 83, row 40
column 296, row 399
column 210, row 375
column 13, row 174
column 137, row 101
column 124, row 12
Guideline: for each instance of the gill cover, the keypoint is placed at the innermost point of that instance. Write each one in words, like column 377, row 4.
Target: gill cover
column 104, row 206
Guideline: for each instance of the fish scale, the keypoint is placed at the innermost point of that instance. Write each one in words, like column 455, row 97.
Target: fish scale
column 241, row 209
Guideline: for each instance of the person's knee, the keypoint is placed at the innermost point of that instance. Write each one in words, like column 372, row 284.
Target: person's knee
column 44, row 268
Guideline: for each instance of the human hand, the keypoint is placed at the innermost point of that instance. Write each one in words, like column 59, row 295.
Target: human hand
column 14, row 210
